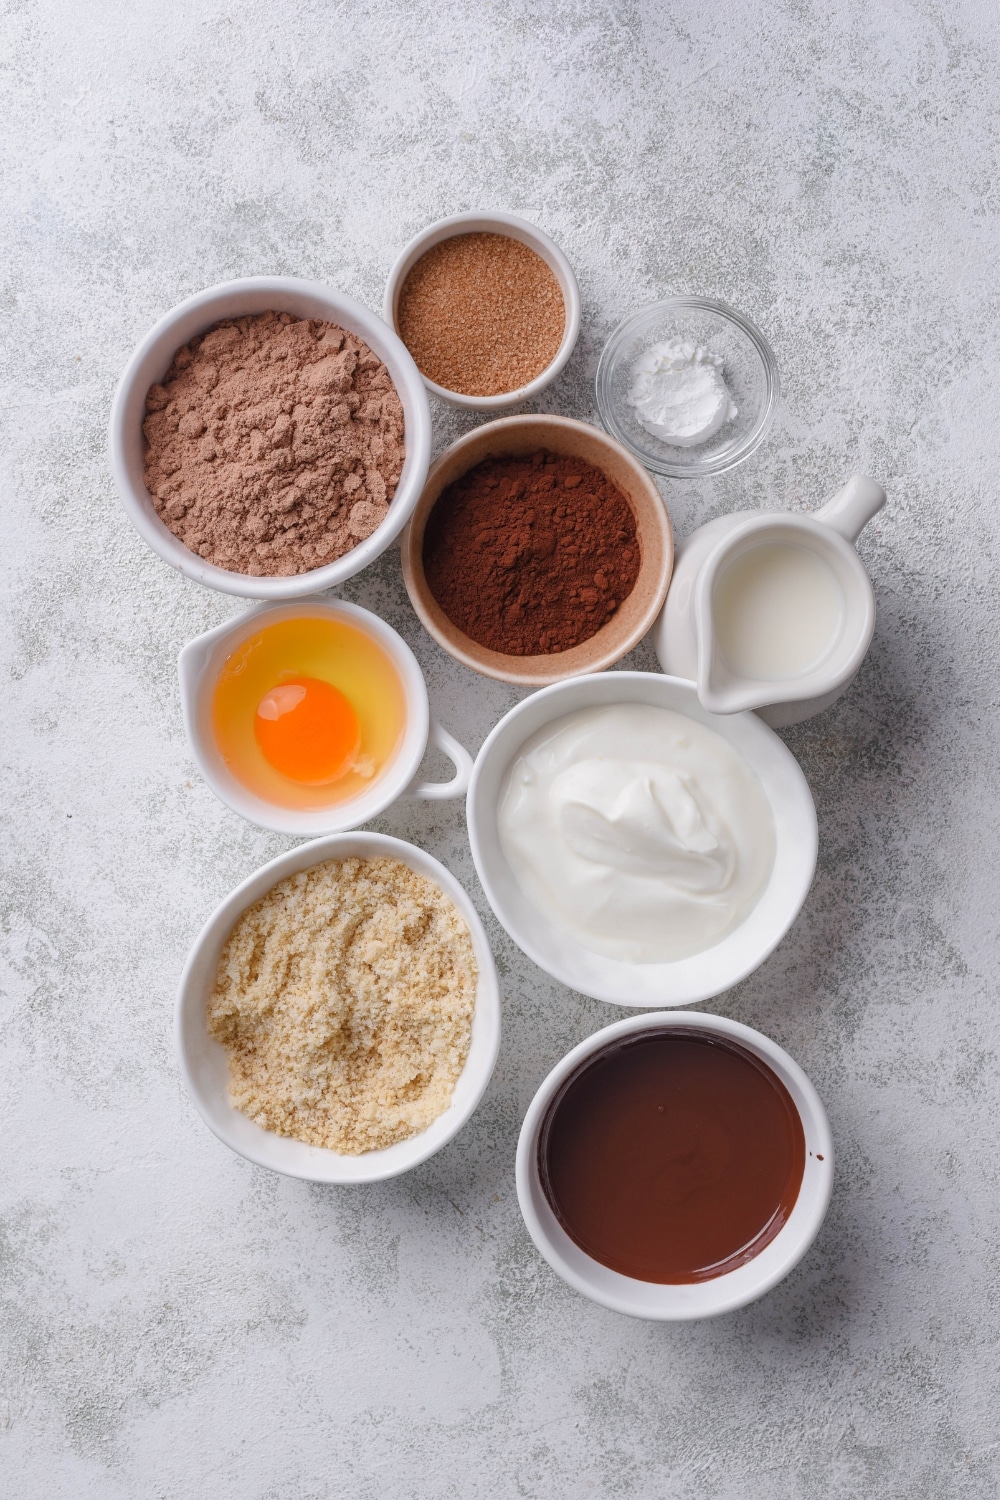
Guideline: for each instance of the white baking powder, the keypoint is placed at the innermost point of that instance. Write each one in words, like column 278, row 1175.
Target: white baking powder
column 679, row 392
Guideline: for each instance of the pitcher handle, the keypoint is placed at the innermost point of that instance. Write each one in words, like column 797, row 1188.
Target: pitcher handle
column 437, row 791
column 851, row 508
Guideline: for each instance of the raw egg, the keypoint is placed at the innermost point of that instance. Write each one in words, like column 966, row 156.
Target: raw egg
column 307, row 730
column 309, row 711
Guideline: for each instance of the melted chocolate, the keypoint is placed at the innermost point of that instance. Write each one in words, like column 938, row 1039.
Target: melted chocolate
column 672, row 1155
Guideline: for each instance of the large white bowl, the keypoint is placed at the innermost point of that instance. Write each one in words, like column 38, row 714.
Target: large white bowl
column 205, row 1068
column 150, row 362
column 203, row 659
column 687, row 980
column 515, row 229
column 705, row 1299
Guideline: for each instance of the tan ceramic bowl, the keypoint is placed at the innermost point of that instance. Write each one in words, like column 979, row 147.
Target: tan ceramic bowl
column 626, row 628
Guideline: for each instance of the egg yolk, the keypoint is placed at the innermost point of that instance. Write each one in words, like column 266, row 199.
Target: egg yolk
column 307, row 730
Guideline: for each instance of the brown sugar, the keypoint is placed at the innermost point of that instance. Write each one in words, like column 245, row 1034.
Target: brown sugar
column 273, row 444
column 481, row 314
column 344, row 999
column 531, row 555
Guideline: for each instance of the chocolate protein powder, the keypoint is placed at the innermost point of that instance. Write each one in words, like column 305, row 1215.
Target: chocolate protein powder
column 529, row 556
column 274, row 444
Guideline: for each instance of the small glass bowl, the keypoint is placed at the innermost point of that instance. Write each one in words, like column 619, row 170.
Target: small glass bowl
column 749, row 370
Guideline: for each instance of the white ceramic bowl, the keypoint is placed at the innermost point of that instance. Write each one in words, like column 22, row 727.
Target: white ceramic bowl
column 206, row 1071
column 150, row 362
column 515, row 229
column 199, row 665
column 687, row 980
column 706, row 1299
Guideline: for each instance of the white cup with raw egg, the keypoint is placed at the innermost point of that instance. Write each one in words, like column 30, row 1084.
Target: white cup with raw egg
column 311, row 717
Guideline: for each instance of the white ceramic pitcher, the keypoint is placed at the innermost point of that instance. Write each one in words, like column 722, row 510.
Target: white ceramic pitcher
column 685, row 635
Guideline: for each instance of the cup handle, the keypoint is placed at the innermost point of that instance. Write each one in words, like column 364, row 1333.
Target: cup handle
column 439, row 791
column 851, row 508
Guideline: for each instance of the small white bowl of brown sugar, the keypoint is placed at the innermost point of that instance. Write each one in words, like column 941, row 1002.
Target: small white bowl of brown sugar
column 488, row 306
column 339, row 1014
column 270, row 437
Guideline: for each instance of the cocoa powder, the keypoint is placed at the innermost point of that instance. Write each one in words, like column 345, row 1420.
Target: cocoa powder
column 274, row 444
column 529, row 556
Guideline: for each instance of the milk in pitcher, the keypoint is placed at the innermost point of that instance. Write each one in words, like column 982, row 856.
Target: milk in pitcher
column 778, row 610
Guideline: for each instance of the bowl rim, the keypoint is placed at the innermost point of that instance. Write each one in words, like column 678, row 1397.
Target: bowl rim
column 496, row 664
column 703, row 975
column 514, row 227
column 195, row 314
column 697, row 468
column 677, row 1302
column 318, row 1163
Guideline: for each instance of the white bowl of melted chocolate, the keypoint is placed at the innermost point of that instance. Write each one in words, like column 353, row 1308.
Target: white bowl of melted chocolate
column 675, row 1166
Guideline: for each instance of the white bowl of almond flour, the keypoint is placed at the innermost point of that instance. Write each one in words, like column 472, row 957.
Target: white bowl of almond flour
column 270, row 437
column 339, row 1015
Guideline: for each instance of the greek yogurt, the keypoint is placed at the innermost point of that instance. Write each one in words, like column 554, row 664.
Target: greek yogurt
column 679, row 393
column 638, row 830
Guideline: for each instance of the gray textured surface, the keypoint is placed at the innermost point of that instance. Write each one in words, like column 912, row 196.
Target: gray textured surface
column 177, row 1323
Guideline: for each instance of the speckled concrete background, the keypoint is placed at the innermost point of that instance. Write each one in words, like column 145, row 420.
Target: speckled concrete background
column 178, row 1323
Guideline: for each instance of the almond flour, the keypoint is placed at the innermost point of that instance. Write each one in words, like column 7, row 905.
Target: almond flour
column 344, row 1000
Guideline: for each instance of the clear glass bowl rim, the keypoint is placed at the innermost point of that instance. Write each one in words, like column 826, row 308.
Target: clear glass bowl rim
column 720, row 463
